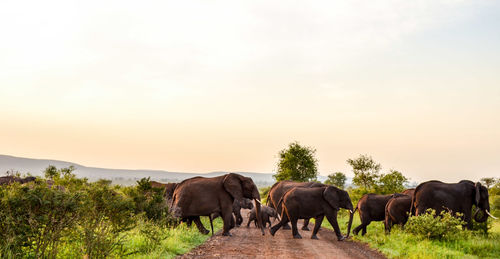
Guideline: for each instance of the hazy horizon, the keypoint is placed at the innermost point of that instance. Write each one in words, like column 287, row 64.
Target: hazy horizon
column 196, row 86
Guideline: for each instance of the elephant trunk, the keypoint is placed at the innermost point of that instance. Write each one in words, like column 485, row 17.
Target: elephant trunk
column 258, row 213
column 351, row 215
column 482, row 218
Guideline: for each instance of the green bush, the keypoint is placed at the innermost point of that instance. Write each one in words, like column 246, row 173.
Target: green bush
column 34, row 218
column 106, row 215
column 444, row 226
column 151, row 202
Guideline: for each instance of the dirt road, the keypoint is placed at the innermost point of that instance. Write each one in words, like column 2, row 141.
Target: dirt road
column 249, row 243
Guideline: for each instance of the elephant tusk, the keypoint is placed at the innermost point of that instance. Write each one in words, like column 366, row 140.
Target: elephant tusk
column 259, row 202
column 279, row 218
column 350, row 211
column 487, row 212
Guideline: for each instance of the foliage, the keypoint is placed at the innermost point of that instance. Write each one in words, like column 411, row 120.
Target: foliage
column 297, row 163
column 366, row 171
column 392, row 182
column 264, row 191
column 432, row 226
column 338, row 179
column 150, row 201
column 107, row 214
column 34, row 218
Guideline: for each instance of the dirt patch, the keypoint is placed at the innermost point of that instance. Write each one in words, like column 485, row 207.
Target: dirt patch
column 249, row 243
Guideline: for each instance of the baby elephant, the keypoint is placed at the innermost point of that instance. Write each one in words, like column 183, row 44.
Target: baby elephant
column 266, row 213
column 316, row 202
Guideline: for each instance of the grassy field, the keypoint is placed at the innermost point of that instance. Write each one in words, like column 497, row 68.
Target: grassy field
column 404, row 245
column 172, row 242
column 150, row 241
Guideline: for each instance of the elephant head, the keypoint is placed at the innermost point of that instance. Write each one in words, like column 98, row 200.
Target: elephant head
column 246, row 204
column 481, row 200
column 240, row 187
column 337, row 198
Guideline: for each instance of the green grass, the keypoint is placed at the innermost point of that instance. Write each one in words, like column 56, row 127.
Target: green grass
column 404, row 245
column 147, row 240
column 175, row 241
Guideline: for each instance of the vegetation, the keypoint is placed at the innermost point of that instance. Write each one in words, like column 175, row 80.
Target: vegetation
column 337, row 179
column 297, row 163
column 63, row 216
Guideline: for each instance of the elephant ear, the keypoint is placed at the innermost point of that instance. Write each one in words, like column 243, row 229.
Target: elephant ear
column 478, row 193
column 331, row 196
column 232, row 184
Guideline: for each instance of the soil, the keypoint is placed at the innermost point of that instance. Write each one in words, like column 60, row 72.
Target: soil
column 249, row 243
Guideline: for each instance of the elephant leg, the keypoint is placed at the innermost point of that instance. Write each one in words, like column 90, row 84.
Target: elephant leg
column 250, row 219
column 387, row 224
column 283, row 221
column 317, row 226
column 364, row 230
column 267, row 221
column 295, row 231
column 199, row 225
column 286, row 226
column 306, row 225
column 227, row 217
column 332, row 218
column 357, row 229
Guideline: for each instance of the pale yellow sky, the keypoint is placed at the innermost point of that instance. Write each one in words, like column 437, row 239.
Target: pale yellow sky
column 199, row 86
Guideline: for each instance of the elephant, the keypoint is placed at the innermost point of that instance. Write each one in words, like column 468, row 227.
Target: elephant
column 455, row 197
column 237, row 206
column 280, row 188
column 169, row 188
column 4, row 180
column 201, row 196
column 266, row 213
column 397, row 211
column 313, row 202
column 409, row 192
column 371, row 208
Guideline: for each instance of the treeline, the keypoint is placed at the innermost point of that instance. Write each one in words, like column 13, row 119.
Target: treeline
column 60, row 211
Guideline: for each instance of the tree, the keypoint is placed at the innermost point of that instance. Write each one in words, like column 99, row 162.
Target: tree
column 366, row 171
column 297, row 163
column 392, row 182
column 338, row 179
column 488, row 181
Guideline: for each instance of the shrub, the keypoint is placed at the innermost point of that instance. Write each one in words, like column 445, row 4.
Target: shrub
column 34, row 218
column 445, row 226
column 107, row 214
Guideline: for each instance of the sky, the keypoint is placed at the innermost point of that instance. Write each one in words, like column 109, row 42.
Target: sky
column 201, row 86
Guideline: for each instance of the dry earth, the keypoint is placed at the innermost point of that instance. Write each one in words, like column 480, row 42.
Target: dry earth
column 249, row 243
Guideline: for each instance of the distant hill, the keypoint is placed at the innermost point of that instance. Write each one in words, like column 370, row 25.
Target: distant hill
column 120, row 176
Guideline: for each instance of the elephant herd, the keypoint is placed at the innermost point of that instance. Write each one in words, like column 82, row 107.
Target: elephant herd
column 396, row 208
column 290, row 201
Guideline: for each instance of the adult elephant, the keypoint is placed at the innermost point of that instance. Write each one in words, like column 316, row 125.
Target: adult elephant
column 455, row 197
column 200, row 196
column 371, row 208
column 280, row 188
column 409, row 192
column 315, row 202
column 397, row 211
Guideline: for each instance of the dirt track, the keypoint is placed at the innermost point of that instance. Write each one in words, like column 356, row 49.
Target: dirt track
column 244, row 241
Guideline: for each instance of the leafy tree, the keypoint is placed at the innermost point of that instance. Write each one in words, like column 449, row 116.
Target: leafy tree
column 366, row 171
column 297, row 163
column 392, row 182
column 338, row 179
column 488, row 181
